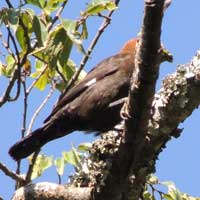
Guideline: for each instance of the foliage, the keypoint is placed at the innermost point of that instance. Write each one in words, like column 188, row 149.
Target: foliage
column 73, row 157
column 152, row 190
column 43, row 45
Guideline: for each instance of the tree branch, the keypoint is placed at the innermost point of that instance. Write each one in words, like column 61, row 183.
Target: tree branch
column 52, row 191
column 60, row 10
column 11, row 174
column 51, row 91
column 125, row 169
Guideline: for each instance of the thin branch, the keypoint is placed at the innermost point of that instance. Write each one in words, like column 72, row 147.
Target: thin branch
column 59, row 12
column 61, row 75
column 16, row 75
column 36, row 80
column 6, row 96
column 9, row 4
column 40, row 108
column 18, row 184
column 7, row 47
column 14, row 98
column 11, row 174
column 14, row 43
column 23, row 130
column 31, row 166
column 33, row 160
column 153, row 189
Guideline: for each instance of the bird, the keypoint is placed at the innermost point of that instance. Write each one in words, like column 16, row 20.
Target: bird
column 93, row 105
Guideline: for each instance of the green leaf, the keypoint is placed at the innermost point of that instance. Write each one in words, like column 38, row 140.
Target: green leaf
column 8, row 69
column 42, row 163
column 42, row 81
column 147, row 195
column 57, row 48
column 84, row 146
column 72, row 157
column 60, row 165
column 10, row 16
column 40, row 31
column 2, row 70
column 52, row 5
column 175, row 194
column 23, row 33
column 13, row 18
column 39, row 53
column 67, row 69
column 38, row 3
column 70, row 27
column 152, row 179
column 97, row 6
column 44, row 77
column 39, row 66
column 167, row 197
column 172, row 190
column 20, row 37
column 84, row 33
column 27, row 18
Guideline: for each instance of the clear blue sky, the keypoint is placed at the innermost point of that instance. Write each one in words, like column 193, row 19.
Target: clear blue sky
column 180, row 161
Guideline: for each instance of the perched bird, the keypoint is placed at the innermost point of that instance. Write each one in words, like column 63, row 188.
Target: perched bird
column 93, row 105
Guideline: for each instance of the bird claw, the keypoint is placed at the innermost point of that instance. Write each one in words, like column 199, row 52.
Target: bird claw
column 124, row 114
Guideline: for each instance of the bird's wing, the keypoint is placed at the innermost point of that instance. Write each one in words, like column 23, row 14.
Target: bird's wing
column 92, row 77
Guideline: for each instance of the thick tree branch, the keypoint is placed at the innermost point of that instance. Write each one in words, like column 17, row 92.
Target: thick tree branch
column 148, row 58
column 11, row 174
column 51, row 191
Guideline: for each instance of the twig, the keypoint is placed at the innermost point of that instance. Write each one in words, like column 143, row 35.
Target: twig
column 83, row 62
column 155, row 190
column 16, row 75
column 36, row 80
column 14, row 43
column 11, row 174
column 23, row 127
column 30, row 168
column 61, row 75
column 59, row 178
column 57, row 15
column 6, row 96
column 25, row 107
column 7, row 47
column 9, row 4
column 40, row 108
column 33, row 160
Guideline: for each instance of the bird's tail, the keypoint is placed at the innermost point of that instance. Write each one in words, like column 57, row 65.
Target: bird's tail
column 36, row 140
column 28, row 145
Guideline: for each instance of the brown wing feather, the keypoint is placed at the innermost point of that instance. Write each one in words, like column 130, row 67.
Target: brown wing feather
column 107, row 68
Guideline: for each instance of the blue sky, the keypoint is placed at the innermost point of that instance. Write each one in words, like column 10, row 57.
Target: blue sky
column 180, row 161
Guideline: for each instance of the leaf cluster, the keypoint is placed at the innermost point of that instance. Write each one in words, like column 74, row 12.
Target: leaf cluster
column 45, row 40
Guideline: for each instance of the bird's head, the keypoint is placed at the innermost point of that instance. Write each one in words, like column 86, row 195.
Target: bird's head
column 130, row 46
